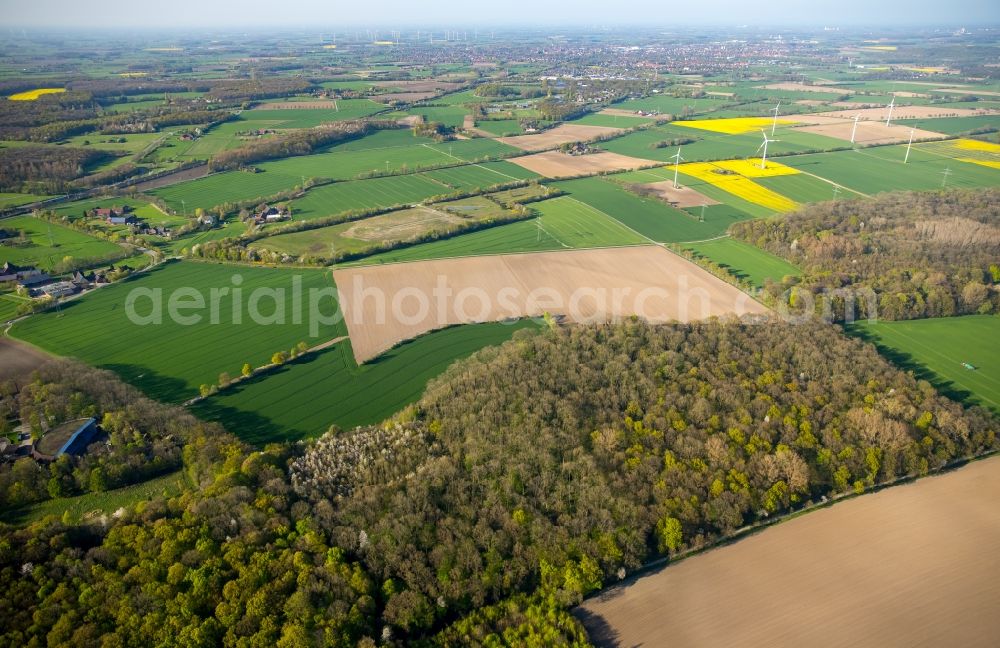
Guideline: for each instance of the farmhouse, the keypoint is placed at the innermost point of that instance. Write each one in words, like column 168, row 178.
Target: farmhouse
column 11, row 272
column 59, row 289
column 271, row 214
column 71, row 437
column 33, row 281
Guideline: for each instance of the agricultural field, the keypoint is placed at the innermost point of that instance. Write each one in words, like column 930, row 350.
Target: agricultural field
column 561, row 223
column 451, row 115
column 49, row 243
column 15, row 199
column 876, row 169
column 171, row 359
column 581, row 285
column 480, row 176
column 670, row 105
column 285, row 117
column 814, row 567
column 224, row 187
column 935, row 350
column 306, row 396
column 650, row 217
column 744, row 261
column 340, row 197
column 369, row 235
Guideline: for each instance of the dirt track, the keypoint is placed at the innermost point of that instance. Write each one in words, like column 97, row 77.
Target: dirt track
column 579, row 284
column 913, row 565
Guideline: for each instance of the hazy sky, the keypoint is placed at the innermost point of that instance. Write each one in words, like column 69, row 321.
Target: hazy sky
column 332, row 13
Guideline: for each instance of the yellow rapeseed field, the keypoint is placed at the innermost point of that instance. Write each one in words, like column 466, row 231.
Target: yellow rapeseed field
column 740, row 185
column 751, row 168
column 31, row 95
column 993, row 164
column 976, row 145
column 733, row 125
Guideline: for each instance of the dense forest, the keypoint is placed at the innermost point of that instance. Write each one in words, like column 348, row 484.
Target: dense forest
column 49, row 168
column 526, row 477
column 922, row 254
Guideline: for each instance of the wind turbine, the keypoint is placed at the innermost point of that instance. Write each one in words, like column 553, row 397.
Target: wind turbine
column 774, row 124
column 676, row 157
column 855, row 129
column 908, row 145
column 892, row 105
column 763, row 159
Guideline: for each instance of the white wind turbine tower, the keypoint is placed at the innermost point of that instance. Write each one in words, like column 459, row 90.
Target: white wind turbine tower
column 908, row 145
column 676, row 157
column 774, row 123
column 855, row 129
column 763, row 159
column 892, row 105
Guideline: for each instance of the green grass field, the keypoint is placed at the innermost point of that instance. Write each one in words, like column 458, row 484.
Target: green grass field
column 563, row 222
column 309, row 117
column 672, row 105
column 15, row 199
column 650, row 217
column 170, row 360
column 340, row 197
column 954, row 125
column 611, row 121
column 49, row 243
column 228, row 186
column 876, row 169
column 105, row 503
column 303, row 398
column 452, row 116
column 936, row 348
column 744, row 260
column 479, row 176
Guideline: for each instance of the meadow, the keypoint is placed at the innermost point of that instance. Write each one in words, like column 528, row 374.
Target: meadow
column 49, row 243
column 876, row 169
column 15, row 199
column 340, row 197
column 934, row 349
column 744, row 260
column 649, row 217
column 304, row 397
column 227, row 186
column 169, row 361
column 561, row 223
column 481, row 176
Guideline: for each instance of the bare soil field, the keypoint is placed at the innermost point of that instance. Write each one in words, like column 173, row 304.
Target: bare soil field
column 870, row 132
column 400, row 225
column 804, row 87
column 905, row 112
column 18, row 360
column 912, row 565
column 680, row 197
column 556, row 164
column 385, row 305
column 561, row 134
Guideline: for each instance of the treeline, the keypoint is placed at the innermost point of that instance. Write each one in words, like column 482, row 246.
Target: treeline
column 298, row 142
column 525, row 477
column 922, row 254
column 45, row 168
column 263, row 88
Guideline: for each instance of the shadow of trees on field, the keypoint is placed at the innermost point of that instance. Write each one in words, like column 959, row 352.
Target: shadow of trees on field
column 156, row 385
column 920, row 371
